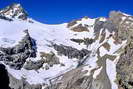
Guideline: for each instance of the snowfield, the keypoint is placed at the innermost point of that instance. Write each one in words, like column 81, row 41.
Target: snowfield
column 12, row 32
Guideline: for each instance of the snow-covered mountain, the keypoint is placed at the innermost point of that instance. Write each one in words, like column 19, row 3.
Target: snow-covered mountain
column 82, row 54
column 14, row 11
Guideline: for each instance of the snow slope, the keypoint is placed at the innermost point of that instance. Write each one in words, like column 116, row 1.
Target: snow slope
column 12, row 32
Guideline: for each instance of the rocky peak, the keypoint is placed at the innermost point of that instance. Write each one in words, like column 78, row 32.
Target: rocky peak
column 117, row 16
column 116, row 13
column 14, row 11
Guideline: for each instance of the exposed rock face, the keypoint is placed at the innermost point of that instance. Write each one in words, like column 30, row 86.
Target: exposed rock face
column 86, row 41
column 5, row 18
column 22, row 84
column 76, row 26
column 74, row 79
column 124, row 32
column 124, row 65
column 124, row 68
column 32, row 65
column 70, row 52
column 49, row 58
column 78, row 79
column 72, row 23
column 108, row 24
column 80, row 28
column 16, row 56
column 4, row 78
column 14, row 11
column 123, row 24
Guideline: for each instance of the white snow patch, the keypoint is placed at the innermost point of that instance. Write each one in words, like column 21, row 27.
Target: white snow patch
column 126, row 14
column 91, row 64
column 111, row 72
column 113, row 47
column 97, row 72
column 102, row 19
column 87, row 21
column 124, row 17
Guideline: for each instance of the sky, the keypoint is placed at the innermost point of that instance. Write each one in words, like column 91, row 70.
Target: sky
column 61, row 11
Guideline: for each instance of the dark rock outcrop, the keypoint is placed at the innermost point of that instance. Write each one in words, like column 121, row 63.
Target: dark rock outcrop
column 108, row 24
column 86, row 41
column 70, row 52
column 33, row 65
column 124, row 68
column 22, row 83
column 16, row 56
column 72, row 23
column 49, row 58
column 4, row 78
column 80, row 28
column 5, row 18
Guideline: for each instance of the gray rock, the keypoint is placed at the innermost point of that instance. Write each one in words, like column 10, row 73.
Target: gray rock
column 16, row 56
column 4, row 78
column 70, row 52
column 31, row 65
column 49, row 58
column 98, row 26
column 15, row 11
column 110, row 26
column 22, row 84
column 124, row 68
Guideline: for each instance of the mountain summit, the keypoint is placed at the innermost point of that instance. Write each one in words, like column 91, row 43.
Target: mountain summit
column 14, row 11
